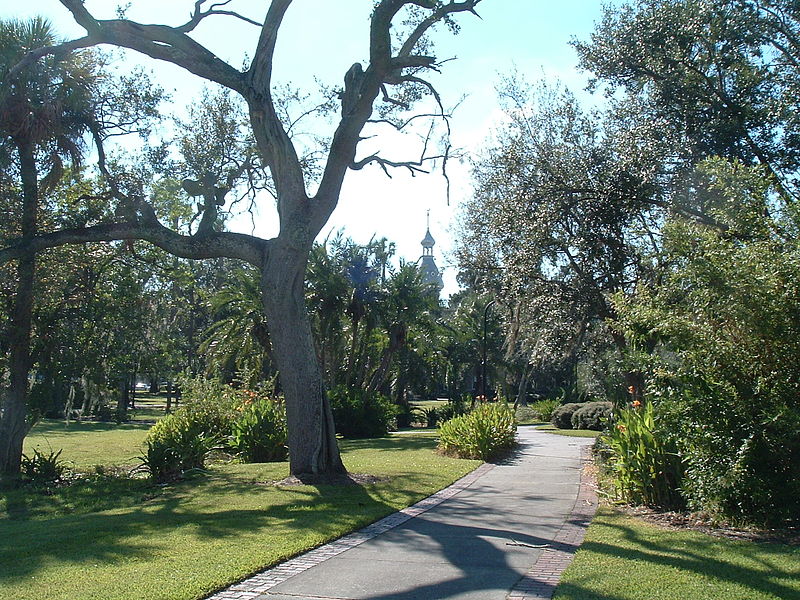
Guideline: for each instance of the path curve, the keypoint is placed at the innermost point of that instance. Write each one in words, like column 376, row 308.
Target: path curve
column 504, row 531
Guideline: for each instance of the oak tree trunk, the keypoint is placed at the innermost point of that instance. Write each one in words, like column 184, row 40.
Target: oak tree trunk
column 312, row 437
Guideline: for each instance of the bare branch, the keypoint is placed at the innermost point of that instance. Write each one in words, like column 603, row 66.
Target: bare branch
column 400, row 125
column 422, row 28
column 414, row 167
column 198, row 15
column 161, row 42
column 387, row 98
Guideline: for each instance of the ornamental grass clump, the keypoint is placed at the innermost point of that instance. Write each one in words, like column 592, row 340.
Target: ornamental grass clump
column 177, row 443
column 485, row 433
column 259, row 432
column 251, row 424
column 41, row 468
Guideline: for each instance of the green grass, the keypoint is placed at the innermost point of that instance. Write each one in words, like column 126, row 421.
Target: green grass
column 429, row 403
column 86, row 443
column 149, row 407
column 113, row 539
column 587, row 433
column 624, row 558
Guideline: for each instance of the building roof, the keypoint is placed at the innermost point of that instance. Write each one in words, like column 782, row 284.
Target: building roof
column 428, row 241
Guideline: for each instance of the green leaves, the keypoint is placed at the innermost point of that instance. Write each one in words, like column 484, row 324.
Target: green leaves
column 485, row 433
column 258, row 433
column 645, row 469
column 724, row 372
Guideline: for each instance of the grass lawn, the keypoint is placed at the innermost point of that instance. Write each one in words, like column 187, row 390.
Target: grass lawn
column 588, row 433
column 112, row 539
column 149, row 407
column 86, row 444
column 624, row 558
column 429, row 403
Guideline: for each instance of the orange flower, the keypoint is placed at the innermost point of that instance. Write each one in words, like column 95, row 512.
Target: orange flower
column 636, row 404
column 631, row 390
column 621, row 427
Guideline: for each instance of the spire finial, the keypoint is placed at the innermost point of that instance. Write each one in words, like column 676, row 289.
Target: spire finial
column 428, row 220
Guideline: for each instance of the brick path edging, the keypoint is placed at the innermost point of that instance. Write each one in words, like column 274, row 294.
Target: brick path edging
column 541, row 580
column 262, row 582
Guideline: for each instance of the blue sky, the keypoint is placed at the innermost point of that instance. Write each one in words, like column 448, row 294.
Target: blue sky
column 322, row 38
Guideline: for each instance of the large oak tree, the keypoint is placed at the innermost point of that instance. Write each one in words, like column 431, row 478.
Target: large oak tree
column 399, row 57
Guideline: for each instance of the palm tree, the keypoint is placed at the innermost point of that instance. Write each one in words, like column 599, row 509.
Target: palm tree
column 45, row 110
column 238, row 340
column 407, row 303
column 327, row 293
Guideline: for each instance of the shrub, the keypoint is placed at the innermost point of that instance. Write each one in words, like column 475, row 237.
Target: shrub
column 259, row 432
column 103, row 412
column 405, row 414
column 525, row 414
column 454, row 408
column 177, row 443
column 748, row 474
column 212, row 405
column 562, row 415
column 42, row 468
column 592, row 415
column 644, row 466
column 543, row 409
column 358, row 414
column 430, row 416
column 485, row 433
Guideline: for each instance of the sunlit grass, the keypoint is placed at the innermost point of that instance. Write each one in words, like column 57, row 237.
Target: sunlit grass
column 86, row 444
column 114, row 539
column 587, row 433
column 624, row 558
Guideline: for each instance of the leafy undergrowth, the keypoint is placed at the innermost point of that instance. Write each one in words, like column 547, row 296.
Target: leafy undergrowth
column 624, row 558
column 125, row 538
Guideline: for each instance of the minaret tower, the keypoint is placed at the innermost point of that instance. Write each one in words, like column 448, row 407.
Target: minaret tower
column 430, row 272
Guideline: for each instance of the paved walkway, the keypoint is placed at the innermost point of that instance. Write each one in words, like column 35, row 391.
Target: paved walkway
column 504, row 531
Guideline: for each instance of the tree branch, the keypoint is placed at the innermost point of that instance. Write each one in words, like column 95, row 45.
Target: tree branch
column 274, row 142
column 57, row 51
column 198, row 15
column 382, row 67
column 422, row 28
column 161, row 42
column 213, row 245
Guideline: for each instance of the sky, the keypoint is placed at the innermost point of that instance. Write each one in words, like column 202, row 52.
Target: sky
column 321, row 39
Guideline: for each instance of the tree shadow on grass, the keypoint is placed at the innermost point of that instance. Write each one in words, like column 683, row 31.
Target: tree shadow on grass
column 700, row 559
column 57, row 427
column 204, row 509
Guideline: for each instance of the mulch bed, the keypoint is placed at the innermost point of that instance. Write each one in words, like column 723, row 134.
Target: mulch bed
column 704, row 524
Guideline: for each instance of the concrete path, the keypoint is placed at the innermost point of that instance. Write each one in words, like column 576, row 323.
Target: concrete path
column 504, row 531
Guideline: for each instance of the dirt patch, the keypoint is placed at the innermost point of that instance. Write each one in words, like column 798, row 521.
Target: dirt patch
column 704, row 524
